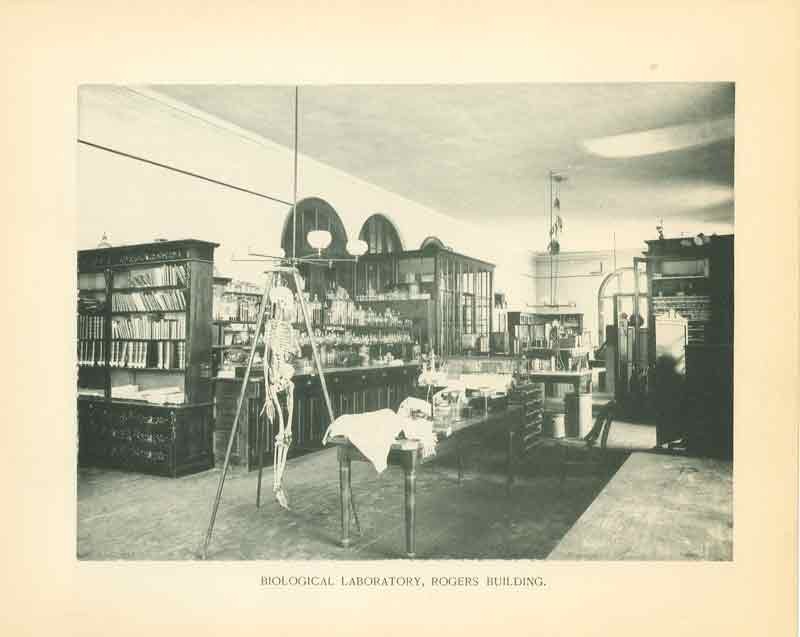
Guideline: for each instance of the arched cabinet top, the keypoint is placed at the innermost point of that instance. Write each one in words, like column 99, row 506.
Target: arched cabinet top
column 381, row 235
column 313, row 213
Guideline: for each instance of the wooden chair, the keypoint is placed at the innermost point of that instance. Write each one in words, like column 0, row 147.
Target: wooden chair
column 591, row 453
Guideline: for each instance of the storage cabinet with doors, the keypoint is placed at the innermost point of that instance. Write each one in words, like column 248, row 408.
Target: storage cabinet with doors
column 352, row 390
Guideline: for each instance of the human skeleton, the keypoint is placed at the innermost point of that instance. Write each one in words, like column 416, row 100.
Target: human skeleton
column 281, row 347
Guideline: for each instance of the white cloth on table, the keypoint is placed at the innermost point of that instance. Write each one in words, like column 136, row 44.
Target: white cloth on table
column 374, row 432
column 421, row 429
column 411, row 405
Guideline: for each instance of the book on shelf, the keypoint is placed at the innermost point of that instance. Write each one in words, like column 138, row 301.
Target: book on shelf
column 172, row 274
column 153, row 354
column 90, row 327
column 145, row 327
column 160, row 301
column 91, row 352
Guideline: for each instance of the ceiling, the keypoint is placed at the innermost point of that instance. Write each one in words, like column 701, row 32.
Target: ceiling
column 484, row 150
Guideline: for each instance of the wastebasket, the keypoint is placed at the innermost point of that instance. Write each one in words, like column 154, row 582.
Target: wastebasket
column 579, row 414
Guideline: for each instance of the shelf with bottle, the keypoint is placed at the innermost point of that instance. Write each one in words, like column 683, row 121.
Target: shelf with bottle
column 397, row 294
column 341, row 311
column 349, row 338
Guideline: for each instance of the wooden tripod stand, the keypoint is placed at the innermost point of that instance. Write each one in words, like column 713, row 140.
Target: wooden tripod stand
column 272, row 273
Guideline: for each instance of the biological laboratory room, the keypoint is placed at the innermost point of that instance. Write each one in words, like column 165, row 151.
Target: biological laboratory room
column 357, row 322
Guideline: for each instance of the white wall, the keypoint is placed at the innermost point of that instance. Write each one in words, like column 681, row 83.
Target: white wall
column 133, row 201
column 580, row 277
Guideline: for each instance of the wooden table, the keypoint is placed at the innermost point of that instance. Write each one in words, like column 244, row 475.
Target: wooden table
column 408, row 455
column 576, row 379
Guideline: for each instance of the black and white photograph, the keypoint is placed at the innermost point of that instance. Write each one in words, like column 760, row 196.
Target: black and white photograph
column 421, row 321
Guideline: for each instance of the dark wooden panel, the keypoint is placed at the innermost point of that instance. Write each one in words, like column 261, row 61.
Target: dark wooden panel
column 198, row 336
column 709, row 400
column 351, row 392
column 155, row 439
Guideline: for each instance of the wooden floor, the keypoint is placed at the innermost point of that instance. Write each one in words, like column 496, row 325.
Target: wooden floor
column 134, row 517
column 657, row 507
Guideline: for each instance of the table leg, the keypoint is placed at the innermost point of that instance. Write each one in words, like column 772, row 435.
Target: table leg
column 260, row 448
column 460, row 458
column 344, row 494
column 410, row 473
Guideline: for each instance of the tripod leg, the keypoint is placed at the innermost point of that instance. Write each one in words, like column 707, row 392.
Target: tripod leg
column 260, row 438
column 235, row 427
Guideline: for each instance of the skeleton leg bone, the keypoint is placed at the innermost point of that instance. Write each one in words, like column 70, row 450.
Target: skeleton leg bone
column 286, row 443
column 281, row 449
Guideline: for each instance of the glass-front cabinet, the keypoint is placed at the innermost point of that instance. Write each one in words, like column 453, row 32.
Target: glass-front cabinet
column 447, row 296
column 444, row 295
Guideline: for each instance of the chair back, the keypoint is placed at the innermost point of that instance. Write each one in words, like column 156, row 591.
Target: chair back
column 602, row 426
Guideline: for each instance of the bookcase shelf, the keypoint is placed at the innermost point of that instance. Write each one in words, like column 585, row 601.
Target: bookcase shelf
column 127, row 312
column 145, row 288
column 119, row 429
column 146, row 340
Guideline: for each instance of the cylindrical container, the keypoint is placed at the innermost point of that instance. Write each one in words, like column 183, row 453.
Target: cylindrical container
column 558, row 426
column 579, row 414
column 556, row 390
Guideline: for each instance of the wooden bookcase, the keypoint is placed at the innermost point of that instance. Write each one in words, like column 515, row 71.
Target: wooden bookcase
column 691, row 382
column 144, row 357
column 697, row 282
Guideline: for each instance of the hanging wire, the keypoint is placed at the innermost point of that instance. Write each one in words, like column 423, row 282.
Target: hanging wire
column 294, row 204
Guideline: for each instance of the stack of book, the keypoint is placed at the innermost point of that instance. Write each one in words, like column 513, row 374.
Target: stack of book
column 89, row 305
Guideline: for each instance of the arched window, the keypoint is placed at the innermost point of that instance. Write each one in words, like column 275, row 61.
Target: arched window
column 313, row 214
column 621, row 284
column 381, row 235
column 432, row 243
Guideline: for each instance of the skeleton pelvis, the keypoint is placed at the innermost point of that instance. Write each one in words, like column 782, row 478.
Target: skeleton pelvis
column 285, row 371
